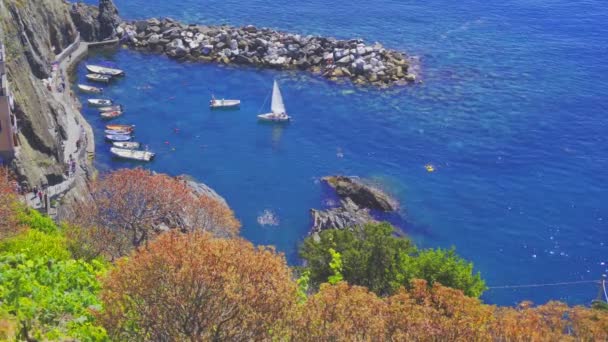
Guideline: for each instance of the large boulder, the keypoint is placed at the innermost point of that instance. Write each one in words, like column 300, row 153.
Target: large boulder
column 363, row 195
column 347, row 216
column 85, row 20
column 108, row 19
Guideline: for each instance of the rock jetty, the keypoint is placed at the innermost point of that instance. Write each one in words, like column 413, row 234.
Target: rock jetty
column 262, row 47
column 356, row 201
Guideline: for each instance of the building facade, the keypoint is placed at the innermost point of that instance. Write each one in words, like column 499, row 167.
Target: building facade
column 8, row 121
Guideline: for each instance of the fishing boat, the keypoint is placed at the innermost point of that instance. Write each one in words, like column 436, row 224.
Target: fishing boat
column 225, row 104
column 99, row 78
column 111, row 115
column 89, row 89
column 129, row 145
column 99, row 102
column 96, row 69
column 118, row 137
column 277, row 107
column 121, row 127
column 110, row 108
column 114, row 132
column 132, row 154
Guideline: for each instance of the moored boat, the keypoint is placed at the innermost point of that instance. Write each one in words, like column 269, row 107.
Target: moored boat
column 111, row 115
column 114, row 132
column 96, row 69
column 132, row 154
column 99, row 78
column 226, row 104
column 118, row 137
column 89, row 89
column 110, row 108
column 278, row 112
column 99, row 102
column 129, row 145
column 121, row 127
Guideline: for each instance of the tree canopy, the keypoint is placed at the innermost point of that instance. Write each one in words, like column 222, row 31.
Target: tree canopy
column 377, row 259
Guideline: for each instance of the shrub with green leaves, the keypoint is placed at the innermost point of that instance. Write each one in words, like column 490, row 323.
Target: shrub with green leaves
column 51, row 299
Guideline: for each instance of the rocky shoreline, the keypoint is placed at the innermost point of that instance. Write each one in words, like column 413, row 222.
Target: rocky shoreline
column 262, row 47
column 357, row 199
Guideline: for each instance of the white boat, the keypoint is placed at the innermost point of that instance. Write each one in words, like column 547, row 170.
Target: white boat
column 132, row 154
column 110, row 108
column 278, row 112
column 89, row 89
column 99, row 102
column 129, row 145
column 111, row 115
column 118, row 137
column 96, row 69
column 218, row 104
column 99, row 78
column 116, row 132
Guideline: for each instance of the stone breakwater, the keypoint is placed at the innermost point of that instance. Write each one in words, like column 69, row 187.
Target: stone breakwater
column 262, row 47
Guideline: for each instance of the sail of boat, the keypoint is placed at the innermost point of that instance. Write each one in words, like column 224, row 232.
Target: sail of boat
column 277, row 106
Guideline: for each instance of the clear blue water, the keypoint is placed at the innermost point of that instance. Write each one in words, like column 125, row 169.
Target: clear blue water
column 512, row 112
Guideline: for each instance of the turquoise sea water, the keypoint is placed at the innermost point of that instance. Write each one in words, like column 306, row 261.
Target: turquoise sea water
column 512, row 113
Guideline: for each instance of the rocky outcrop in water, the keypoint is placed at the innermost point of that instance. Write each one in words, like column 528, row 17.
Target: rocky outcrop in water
column 262, row 47
column 356, row 201
column 96, row 23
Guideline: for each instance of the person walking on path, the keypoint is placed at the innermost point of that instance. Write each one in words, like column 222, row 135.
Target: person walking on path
column 40, row 197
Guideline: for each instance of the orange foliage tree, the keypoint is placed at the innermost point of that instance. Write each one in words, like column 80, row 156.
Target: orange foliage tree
column 131, row 206
column 8, row 205
column 194, row 287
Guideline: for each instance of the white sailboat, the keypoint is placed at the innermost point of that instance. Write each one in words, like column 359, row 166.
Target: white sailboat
column 278, row 112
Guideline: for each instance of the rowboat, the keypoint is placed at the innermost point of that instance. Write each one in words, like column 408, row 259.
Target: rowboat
column 121, row 127
column 89, row 89
column 96, row 69
column 116, row 132
column 219, row 104
column 110, row 108
column 111, row 115
column 132, row 154
column 129, row 145
column 278, row 112
column 99, row 78
column 99, row 102
column 118, row 137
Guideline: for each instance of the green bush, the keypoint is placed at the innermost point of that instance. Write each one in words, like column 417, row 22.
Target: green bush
column 35, row 220
column 36, row 244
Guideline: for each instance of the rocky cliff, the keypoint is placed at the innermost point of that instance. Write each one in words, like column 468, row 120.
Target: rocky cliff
column 34, row 32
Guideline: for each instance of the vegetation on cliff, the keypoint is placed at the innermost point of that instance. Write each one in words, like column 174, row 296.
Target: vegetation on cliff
column 203, row 284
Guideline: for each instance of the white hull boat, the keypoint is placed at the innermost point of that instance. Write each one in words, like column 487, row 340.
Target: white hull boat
column 278, row 112
column 219, row 104
column 99, row 78
column 110, row 109
column 96, row 69
column 99, row 102
column 89, row 89
column 116, row 132
column 118, row 137
column 129, row 145
column 132, row 154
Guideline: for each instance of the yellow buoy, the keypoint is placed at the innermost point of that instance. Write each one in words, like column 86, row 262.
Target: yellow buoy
column 429, row 168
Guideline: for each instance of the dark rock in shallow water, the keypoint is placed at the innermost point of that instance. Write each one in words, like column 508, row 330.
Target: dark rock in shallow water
column 349, row 215
column 361, row 194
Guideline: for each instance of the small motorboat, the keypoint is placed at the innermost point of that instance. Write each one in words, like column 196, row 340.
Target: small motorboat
column 118, row 137
column 117, row 132
column 110, row 108
column 132, row 154
column 96, row 69
column 111, row 115
column 99, row 78
column 129, row 145
column 121, row 127
column 278, row 113
column 89, row 89
column 99, row 102
column 223, row 104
